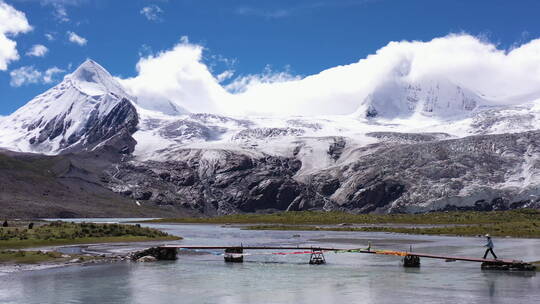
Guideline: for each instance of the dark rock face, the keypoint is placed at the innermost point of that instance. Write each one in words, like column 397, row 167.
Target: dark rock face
column 473, row 173
column 191, row 130
column 408, row 137
column 374, row 195
column 52, row 129
column 371, row 112
column 263, row 133
column 231, row 183
column 426, row 175
column 122, row 118
column 336, row 148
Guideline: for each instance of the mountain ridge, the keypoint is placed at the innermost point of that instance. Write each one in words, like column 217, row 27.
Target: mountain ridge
column 412, row 146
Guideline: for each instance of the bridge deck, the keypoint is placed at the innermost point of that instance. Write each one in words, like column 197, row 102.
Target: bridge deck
column 467, row 259
column 383, row 252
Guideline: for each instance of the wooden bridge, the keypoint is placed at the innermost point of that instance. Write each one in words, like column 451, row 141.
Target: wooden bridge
column 410, row 259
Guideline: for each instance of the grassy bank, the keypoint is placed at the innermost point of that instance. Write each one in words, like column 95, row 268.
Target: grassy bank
column 513, row 229
column 330, row 218
column 63, row 233
column 516, row 223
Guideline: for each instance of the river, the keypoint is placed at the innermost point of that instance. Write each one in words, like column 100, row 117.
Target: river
column 346, row 278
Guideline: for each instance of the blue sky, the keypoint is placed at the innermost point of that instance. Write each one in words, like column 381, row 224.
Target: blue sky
column 302, row 37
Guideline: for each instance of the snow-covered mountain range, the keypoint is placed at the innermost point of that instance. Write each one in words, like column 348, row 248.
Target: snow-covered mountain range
column 420, row 145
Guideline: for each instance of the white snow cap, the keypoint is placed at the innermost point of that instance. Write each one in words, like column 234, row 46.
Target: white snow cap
column 92, row 79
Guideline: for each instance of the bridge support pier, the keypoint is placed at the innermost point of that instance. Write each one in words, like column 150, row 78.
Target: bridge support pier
column 317, row 257
column 160, row 253
column 234, row 255
column 411, row 261
column 521, row 266
column 167, row 254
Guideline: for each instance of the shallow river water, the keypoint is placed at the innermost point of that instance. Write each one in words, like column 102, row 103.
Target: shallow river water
column 346, row 278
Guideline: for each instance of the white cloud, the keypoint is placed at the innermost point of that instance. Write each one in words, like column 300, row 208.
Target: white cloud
column 30, row 75
column 294, row 8
column 152, row 12
column 48, row 76
column 59, row 8
column 268, row 76
column 272, row 14
column 179, row 75
column 63, row 2
column 60, row 12
column 24, row 75
column 12, row 23
column 73, row 37
column 228, row 74
column 37, row 50
column 49, row 36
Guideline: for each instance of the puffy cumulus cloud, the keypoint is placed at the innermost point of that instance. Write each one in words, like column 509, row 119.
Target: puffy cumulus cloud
column 152, row 12
column 30, row 75
column 49, row 75
column 37, row 50
column 12, row 23
column 470, row 62
column 176, row 76
column 24, row 75
column 502, row 76
column 74, row 38
column 333, row 91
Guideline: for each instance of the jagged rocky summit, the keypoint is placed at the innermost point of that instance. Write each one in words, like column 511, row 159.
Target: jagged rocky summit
column 90, row 149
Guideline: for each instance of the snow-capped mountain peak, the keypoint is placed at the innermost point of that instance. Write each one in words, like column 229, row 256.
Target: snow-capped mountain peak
column 434, row 97
column 70, row 114
column 92, row 79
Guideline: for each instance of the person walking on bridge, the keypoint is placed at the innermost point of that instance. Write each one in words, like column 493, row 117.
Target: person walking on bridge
column 489, row 246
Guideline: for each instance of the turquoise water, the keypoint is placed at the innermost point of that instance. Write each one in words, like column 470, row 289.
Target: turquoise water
column 346, row 278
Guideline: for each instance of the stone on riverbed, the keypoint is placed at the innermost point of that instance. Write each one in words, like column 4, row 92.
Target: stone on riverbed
column 147, row 258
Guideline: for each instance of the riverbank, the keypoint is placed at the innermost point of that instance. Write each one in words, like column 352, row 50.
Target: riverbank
column 35, row 257
column 514, row 223
column 12, row 261
column 18, row 235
